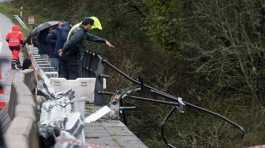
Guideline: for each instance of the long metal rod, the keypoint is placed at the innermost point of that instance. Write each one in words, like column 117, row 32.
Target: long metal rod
column 191, row 106
column 163, row 127
column 217, row 115
column 142, row 99
column 171, row 97
column 175, row 104
column 152, row 89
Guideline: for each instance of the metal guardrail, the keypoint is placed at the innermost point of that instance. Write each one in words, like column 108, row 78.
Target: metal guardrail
column 56, row 113
column 93, row 66
column 41, row 64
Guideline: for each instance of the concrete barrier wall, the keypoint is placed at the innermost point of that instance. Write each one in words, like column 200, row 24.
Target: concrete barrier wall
column 30, row 79
column 23, row 131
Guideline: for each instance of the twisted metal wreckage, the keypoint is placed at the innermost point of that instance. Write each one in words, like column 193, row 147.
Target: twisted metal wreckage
column 60, row 119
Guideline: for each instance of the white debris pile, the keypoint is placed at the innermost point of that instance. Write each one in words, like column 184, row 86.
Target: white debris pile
column 59, row 121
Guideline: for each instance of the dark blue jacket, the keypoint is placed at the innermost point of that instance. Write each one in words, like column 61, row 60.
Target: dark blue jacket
column 51, row 42
column 57, row 38
column 62, row 33
column 42, row 43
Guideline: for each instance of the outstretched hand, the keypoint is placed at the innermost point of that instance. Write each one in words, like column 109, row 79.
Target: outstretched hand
column 60, row 52
column 109, row 44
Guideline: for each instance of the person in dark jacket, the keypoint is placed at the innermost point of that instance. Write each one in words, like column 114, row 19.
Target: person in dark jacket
column 51, row 40
column 61, row 33
column 26, row 63
column 42, row 44
column 73, row 49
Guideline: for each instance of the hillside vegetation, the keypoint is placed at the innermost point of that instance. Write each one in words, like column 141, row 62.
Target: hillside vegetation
column 210, row 52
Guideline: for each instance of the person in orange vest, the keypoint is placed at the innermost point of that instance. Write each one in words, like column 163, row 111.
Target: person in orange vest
column 15, row 39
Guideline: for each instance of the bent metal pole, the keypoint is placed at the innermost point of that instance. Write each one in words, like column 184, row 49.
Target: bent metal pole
column 173, row 98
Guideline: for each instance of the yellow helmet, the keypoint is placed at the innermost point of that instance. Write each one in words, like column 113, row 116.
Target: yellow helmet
column 97, row 24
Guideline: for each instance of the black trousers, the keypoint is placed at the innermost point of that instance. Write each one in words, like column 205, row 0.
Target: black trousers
column 70, row 67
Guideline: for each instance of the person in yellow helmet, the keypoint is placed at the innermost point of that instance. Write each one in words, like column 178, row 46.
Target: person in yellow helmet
column 73, row 49
column 96, row 25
